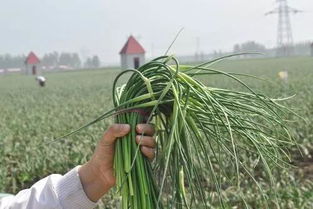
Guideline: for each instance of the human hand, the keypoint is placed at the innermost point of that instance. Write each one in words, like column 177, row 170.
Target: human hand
column 97, row 175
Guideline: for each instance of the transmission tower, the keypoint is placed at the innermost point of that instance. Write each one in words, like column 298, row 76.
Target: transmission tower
column 284, row 31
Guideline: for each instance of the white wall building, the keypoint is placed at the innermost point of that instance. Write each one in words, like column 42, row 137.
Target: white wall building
column 32, row 63
column 132, row 54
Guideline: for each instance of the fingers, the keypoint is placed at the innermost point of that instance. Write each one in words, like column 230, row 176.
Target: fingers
column 147, row 141
column 148, row 145
column 115, row 131
column 146, row 129
column 148, row 152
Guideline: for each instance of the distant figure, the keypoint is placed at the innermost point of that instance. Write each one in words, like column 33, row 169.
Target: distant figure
column 41, row 80
column 283, row 75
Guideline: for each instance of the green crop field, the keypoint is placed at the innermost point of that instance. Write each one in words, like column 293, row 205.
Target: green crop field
column 31, row 117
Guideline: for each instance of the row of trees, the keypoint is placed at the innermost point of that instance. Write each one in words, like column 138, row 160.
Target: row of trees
column 9, row 61
column 299, row 49
column 249, row 46
column 92, row 62
column 52, row 60
column 72, row 60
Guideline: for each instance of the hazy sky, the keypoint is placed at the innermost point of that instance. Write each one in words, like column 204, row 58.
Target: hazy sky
column 101, row 27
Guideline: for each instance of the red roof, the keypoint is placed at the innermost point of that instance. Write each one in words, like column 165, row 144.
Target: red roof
column 132, row 47
column 32, row 59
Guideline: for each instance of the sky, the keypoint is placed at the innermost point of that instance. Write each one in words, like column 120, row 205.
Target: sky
column 102, row 26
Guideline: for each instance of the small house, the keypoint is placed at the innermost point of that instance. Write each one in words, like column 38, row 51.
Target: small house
column 132, row 54
column 32, row 64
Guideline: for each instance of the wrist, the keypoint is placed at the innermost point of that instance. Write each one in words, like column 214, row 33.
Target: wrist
column 93, row 182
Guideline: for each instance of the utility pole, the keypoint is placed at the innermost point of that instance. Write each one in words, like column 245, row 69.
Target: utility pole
column 284, row 30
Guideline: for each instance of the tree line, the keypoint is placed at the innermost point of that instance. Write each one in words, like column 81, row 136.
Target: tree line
column 10, row 61
column 51, row 60
column 299, row 49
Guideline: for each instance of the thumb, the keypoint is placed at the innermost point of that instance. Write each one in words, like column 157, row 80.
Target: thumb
column 115, row 131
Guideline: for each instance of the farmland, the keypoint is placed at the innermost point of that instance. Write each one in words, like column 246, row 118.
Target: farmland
column 31, row 117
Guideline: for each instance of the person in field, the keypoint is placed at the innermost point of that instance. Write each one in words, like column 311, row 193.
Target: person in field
column 83, row 186
column 41, row 80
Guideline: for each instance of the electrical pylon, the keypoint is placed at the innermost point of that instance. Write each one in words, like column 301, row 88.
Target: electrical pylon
column 284, row 30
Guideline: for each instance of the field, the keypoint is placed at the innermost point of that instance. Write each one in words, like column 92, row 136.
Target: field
column 31, row 117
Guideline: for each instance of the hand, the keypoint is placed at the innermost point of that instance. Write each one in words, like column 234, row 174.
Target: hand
column 97, row 175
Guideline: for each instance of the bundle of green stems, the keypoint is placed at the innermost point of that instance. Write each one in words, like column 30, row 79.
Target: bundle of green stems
column 201, row 133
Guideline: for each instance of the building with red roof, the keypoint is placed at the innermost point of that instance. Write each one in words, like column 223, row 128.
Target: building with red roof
column 132, row 54
column 31, row 64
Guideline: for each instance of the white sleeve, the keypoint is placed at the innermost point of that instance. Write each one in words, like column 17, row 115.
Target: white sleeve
column 52, row 192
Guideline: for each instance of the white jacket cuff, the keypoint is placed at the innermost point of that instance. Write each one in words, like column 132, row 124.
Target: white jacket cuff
column 70, row 191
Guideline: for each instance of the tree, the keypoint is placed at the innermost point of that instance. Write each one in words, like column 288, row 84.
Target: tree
column 92, row 62
column 95, row 61
column 249, row 46
column 65, row 59
column 9, row 61
column 70, row 59
column 76, row 62
column 236, row 48
column 50, row 60
column 88, row 63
